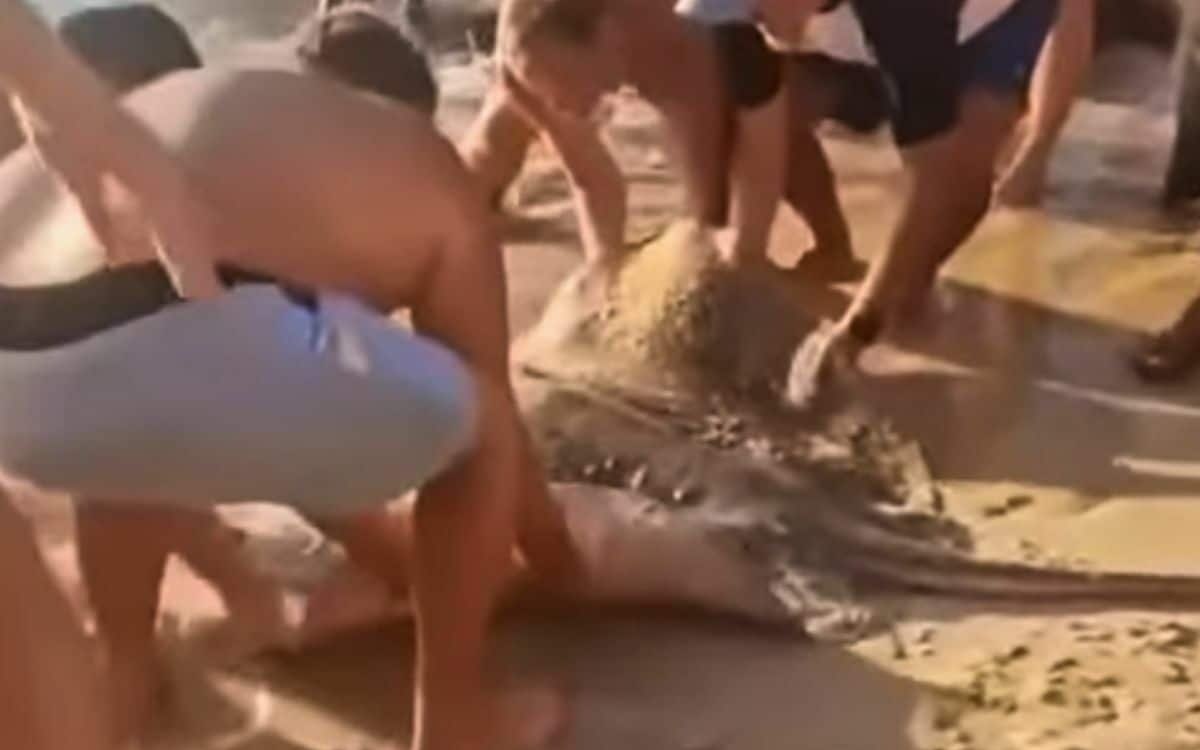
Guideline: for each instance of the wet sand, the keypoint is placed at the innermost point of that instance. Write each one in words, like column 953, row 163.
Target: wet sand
column 1040, row 440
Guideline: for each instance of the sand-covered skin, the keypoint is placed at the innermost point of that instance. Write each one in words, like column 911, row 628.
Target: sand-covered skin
column 1040, row 443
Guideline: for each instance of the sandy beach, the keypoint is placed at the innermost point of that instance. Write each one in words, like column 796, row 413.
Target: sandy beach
column 1038, row 438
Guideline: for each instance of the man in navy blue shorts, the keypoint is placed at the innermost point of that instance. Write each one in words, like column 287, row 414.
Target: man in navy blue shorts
column 949, row 76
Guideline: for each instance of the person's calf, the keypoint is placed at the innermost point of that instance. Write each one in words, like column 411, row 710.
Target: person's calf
column 122, row 562
column 379, row 542
column 51, row 692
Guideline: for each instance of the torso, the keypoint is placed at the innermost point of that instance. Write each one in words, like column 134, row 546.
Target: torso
column 318, row 184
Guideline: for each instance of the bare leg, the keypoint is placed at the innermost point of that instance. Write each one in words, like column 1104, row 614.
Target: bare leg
column 494, row 147
column 122, row 562
column 464, row 532
column 756, row 180
column 1060, row 73
column 548, row 549
column 50, row 688
column 950, row 189
column 455, row 551
column 810, row 187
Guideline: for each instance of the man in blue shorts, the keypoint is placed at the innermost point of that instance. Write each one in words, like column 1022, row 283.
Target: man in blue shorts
column 950, row 76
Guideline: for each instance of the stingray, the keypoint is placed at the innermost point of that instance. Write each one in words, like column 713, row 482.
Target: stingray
column 687, row 481
column 670, row 392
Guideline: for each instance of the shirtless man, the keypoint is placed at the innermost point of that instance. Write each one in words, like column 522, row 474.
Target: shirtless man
column 557, row 58
column 955, row 74
column 313, row 400
column 130, row 46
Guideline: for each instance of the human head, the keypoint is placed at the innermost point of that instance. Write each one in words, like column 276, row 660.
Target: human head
column 129, row 45
column 357, row 45
column 565, row 51
column 783, row 20
column 126, row 45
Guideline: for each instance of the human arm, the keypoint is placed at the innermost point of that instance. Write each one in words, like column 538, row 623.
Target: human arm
column 90, row 143
column 1061, row 71
column 949, row 162
column 597, row 184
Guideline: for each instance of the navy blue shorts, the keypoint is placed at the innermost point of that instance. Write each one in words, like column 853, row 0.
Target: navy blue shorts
column 1003, row 55
column 1000, row 58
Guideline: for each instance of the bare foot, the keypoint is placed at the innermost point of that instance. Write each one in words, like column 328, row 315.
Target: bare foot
column 1023, row 184
column 829, row 266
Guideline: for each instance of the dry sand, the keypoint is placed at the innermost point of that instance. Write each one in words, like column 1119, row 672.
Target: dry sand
column 1039, row 439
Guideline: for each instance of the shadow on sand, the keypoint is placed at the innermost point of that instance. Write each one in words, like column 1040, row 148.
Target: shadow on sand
column 634, row 682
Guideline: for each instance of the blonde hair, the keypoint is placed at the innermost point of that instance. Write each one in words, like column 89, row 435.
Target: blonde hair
column 573, row 21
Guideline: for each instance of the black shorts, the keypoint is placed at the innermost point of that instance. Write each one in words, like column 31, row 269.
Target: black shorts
column 1000, row 58
column 54, row 315
column 922, row 71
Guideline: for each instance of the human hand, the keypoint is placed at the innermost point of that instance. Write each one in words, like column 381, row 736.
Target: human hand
column 830, row 346
column 183, row 232
column 173, row 226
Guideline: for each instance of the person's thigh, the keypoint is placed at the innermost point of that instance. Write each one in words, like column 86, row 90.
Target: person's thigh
column 249, row 397
column 986, row 121
column 823, row 88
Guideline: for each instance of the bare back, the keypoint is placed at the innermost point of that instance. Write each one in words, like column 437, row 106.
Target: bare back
column 315, row 182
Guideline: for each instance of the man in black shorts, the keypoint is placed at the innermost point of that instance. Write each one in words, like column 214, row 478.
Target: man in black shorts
column 949, row 76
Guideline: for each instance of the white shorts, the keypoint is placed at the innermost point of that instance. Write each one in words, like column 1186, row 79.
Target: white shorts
column 246, row 397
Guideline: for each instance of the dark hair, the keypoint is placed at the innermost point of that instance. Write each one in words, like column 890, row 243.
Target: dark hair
column 129, row 45
column 359, row 47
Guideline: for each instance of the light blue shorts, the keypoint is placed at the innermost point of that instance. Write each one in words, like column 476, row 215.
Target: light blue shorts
column 248, row 397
